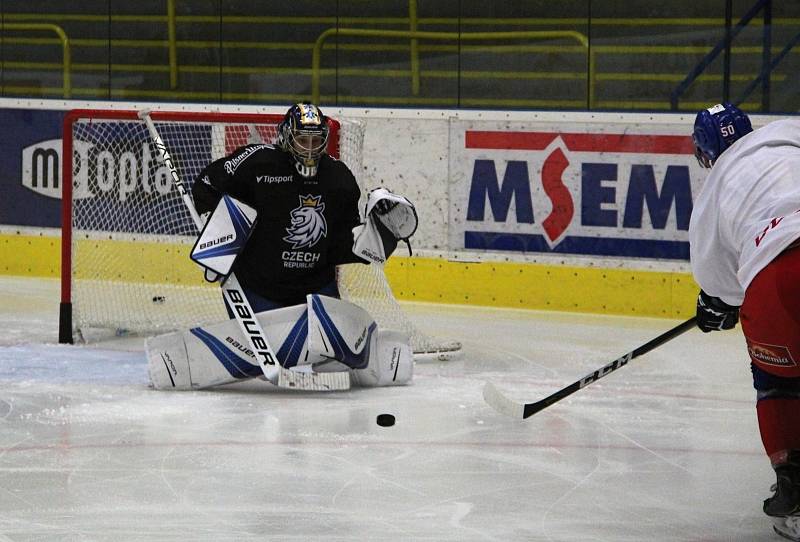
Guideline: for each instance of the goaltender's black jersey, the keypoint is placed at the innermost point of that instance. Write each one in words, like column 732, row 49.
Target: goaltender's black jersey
column 304, row 225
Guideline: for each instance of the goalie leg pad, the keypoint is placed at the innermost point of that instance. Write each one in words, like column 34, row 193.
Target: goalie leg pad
column 339, row 330
column 391, row 361
column 347, row 337
column 168, row 362
column 200, row 358
column 218, row 353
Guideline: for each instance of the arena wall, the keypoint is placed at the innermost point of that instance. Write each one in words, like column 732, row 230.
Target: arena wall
column 536, row 210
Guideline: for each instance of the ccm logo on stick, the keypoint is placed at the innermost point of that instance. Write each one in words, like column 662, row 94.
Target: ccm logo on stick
column 600, row 373
column 251, row 326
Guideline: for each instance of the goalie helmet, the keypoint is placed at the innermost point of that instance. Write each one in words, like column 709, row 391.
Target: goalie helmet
column 303, row 133
column 716, row 129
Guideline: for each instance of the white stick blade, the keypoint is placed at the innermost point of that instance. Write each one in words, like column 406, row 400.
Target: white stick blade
column 501, row 403
column 301, row 380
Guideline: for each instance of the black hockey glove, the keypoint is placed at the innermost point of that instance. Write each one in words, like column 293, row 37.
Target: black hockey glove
column 713, row 314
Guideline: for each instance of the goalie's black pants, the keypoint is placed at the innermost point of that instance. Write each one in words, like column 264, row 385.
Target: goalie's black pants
column 261, row 304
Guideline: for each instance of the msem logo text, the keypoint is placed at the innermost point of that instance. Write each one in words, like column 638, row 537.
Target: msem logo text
column 625, row 195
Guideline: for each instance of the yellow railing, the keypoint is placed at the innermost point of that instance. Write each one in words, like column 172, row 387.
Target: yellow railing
column 173, row 45
column 717, row 22
column 16, row 21
column 413, row 26
column 62, row 36
column 316, row 55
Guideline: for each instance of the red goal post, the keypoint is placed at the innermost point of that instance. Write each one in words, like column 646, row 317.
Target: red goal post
column 126, row 233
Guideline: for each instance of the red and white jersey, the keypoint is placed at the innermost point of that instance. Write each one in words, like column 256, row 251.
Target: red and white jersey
column 748, row 210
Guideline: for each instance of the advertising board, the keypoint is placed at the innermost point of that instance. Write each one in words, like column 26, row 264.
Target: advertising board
column 572, row 188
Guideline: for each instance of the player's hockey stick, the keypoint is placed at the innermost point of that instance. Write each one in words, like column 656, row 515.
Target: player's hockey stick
column 504, row 405
column 240, row 306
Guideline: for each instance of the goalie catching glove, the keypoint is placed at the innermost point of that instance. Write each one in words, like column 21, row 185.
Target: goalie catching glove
column 389, row 218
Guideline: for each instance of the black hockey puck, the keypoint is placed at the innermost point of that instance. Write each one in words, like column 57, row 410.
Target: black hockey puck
column 385, row 420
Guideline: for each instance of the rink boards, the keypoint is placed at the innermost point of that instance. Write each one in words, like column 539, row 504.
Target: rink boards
column 427, row 279
column 542, row 210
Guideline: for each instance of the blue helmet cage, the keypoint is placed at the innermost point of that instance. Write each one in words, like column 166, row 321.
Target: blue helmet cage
column 716, row 129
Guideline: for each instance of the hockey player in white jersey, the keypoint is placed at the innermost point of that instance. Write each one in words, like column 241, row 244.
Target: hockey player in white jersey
column 744, row 238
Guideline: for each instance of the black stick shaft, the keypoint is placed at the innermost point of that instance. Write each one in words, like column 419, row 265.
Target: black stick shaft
column 532, row 408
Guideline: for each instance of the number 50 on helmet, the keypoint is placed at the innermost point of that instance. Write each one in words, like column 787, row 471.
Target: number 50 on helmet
column 303, row 133
column 716, row 129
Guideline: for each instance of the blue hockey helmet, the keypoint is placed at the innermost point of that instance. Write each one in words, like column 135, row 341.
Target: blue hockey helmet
column 303, row 133
column 716, row 129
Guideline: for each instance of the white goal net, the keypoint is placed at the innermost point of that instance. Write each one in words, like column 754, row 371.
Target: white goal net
column 127, row 234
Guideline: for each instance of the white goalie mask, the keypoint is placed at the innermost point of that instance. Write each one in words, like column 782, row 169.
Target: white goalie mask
column 304, row 134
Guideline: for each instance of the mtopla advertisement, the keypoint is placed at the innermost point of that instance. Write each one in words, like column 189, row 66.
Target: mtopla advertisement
column 568, row 188
column 30, row 172
column 111, row 164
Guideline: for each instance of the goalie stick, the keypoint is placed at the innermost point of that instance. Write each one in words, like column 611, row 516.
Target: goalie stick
column 243, row 312
column 504, row 405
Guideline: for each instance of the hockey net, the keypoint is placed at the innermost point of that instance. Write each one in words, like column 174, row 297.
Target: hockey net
column 126, row 233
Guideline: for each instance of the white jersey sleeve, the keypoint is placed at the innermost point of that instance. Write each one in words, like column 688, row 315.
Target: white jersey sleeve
column 747, row 211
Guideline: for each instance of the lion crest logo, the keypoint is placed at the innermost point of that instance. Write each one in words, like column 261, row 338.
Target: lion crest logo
column 308, row 223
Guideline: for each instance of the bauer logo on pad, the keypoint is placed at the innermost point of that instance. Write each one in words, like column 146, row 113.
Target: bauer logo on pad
column 224, row 236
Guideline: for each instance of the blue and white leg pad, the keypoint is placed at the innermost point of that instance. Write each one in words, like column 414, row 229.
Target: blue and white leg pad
column 341, row 331
column 325, row 335
column 218, row 353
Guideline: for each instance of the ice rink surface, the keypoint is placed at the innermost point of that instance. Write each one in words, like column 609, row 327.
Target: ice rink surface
column 666, row 448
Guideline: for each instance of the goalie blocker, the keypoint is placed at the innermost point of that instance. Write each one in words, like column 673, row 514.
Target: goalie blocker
column 324, row 335
column 223, row 237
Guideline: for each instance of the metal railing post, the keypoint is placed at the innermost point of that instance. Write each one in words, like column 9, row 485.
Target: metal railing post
column 592, row 100
column 66, row 62
column 730, row 34
column 726, row 57
column 172, row 44
column 766, row 57
column 412, row 24
column 316, row 55
column 795, row 41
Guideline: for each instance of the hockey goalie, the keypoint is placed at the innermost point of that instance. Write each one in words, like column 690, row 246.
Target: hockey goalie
column 280, row 219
